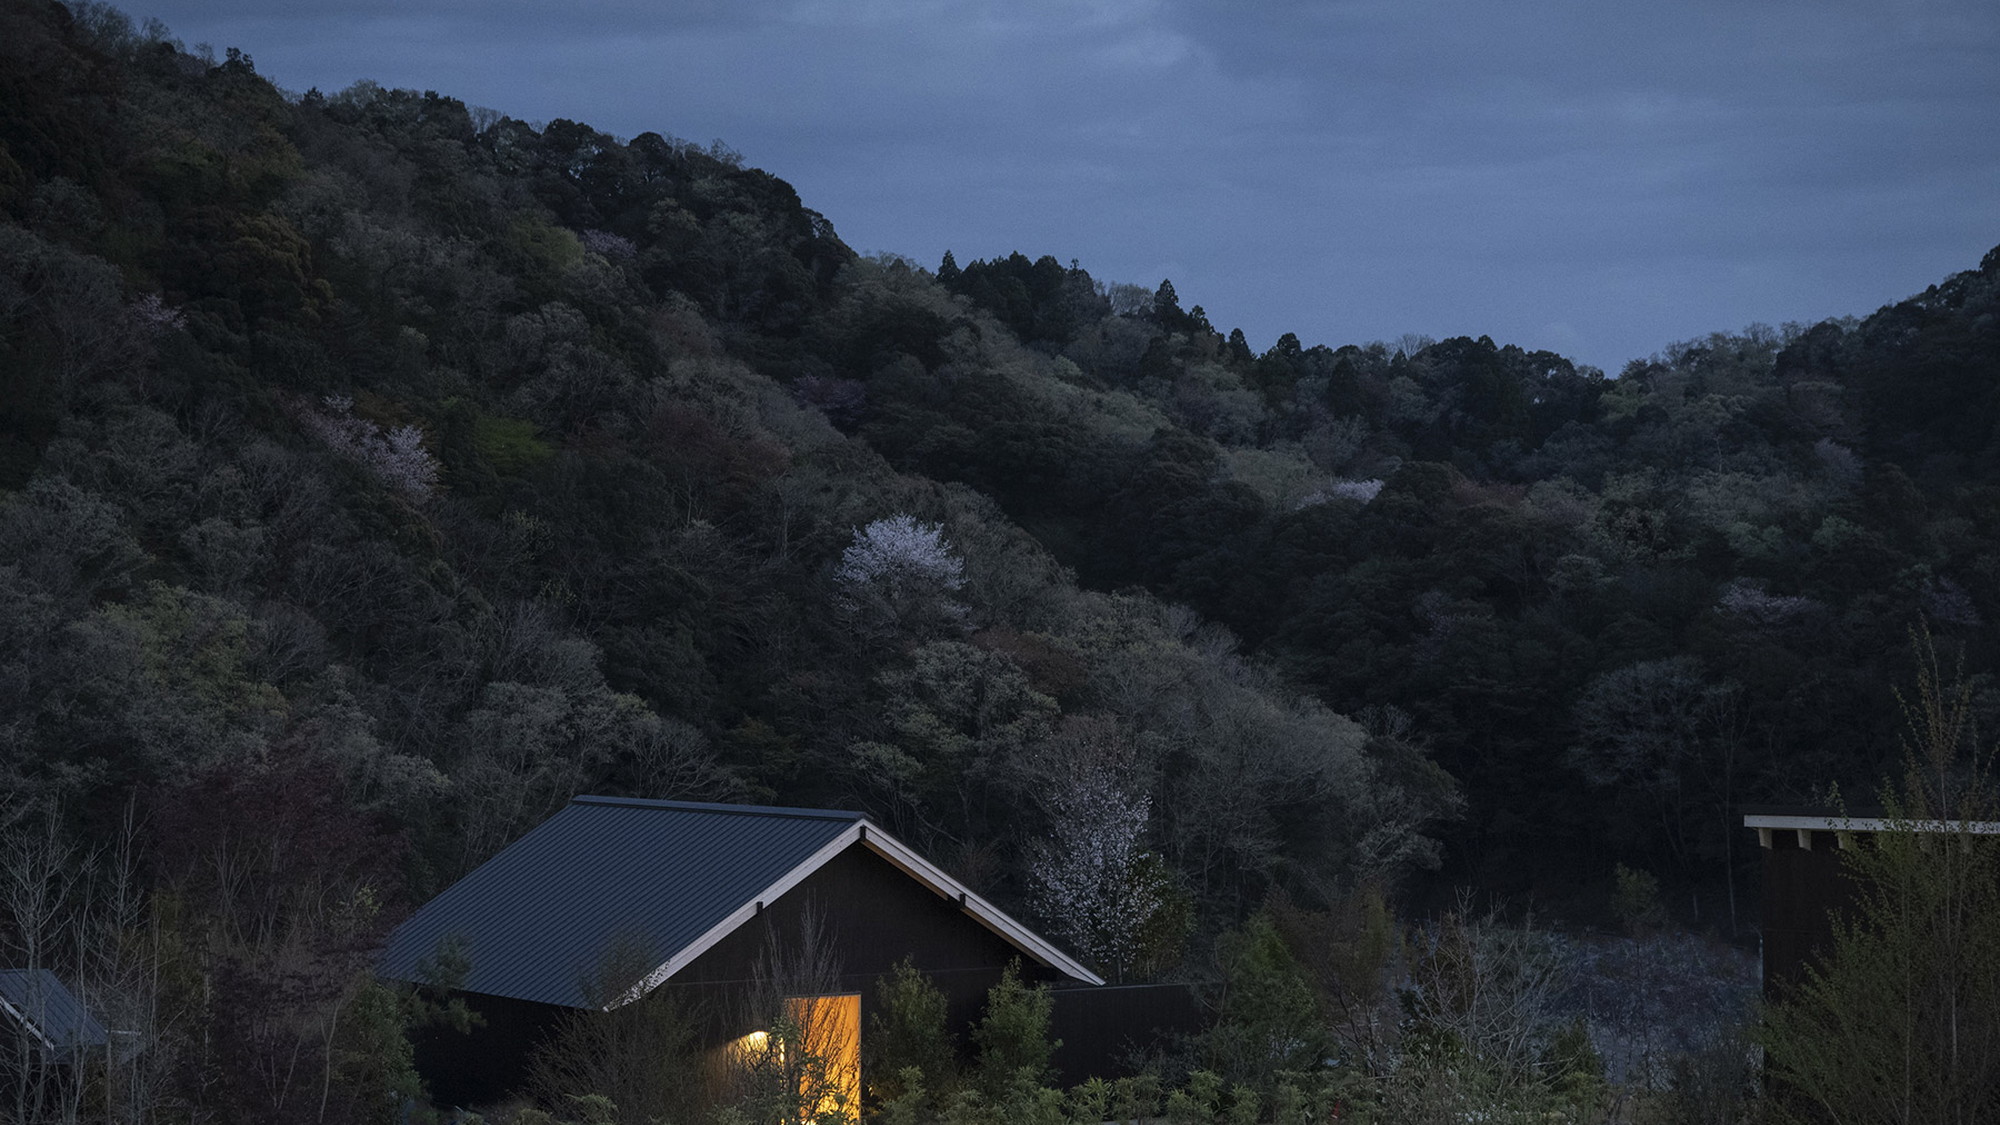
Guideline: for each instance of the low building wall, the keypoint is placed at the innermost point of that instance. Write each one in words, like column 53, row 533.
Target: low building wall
column 1105, row 1029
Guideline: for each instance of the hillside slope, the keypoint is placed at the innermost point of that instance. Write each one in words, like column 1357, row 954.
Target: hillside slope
column 467, row 466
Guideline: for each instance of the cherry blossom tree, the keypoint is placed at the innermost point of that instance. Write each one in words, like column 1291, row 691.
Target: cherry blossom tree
column 1093, row 879
column 901, row 575
column 396, row 457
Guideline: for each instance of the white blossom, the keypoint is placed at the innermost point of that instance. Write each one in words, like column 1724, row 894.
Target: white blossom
column 396, row 457
column 1359, row 491
column 900, row 552
column 899, row 576
column 1086, row 876
column 158, row 317
column 612, row 247
column 1747, row 599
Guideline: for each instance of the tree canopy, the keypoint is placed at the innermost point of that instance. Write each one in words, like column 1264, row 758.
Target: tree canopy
column 368, row 453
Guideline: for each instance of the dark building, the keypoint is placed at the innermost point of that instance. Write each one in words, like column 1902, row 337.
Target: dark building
column 48, row 1039
column 47, row 1020
column 1806, row 886
column 612, row 900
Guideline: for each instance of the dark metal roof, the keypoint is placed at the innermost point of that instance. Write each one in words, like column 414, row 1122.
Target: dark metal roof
column 38, row 998
column 644, row 878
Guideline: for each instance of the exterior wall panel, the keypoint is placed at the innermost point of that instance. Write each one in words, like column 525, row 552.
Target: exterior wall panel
column 1804, row 889
column 874, row 916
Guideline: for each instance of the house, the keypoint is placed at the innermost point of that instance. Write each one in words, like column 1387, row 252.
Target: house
column 1806, row 886
column 614, row 899
column 47, row 1037
column 46, row 1020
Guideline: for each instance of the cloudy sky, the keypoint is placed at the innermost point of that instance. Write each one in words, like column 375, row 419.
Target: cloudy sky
column 1598, row 177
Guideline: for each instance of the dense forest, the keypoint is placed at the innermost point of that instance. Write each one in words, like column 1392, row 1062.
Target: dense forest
column 377, row 472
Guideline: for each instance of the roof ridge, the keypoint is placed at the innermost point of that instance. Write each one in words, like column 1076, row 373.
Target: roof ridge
column 720, row 807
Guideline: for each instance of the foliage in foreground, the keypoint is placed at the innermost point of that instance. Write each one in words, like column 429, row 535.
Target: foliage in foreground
column 1901, row 1020
column 1476, row 1033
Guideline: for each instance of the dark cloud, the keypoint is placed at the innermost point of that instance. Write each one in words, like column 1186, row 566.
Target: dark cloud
column 505, row 19
column 1602, row 179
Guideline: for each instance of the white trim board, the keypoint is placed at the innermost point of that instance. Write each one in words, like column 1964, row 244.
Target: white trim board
column 904, row 859
column 987, row 914
column 1805, row 826
column 34, row 1028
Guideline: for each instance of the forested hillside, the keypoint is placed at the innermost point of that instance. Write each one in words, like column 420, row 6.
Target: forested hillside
column 377, row 473
column 1612, row 606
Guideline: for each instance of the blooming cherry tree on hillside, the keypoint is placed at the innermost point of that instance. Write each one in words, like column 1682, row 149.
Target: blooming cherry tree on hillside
column 1101, row 891
column 397, row 458
column 1087, row 875
column 900, row 574
column 900, row 551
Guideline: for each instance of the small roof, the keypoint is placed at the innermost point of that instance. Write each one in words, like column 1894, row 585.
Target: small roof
column 39, row 1001
column 664, row 879
column 1809, row 818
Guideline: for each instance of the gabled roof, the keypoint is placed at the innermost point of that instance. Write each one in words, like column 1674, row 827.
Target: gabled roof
column 664, row 879
column 38, row 1001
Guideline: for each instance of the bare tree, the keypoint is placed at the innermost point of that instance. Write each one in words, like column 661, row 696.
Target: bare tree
column 642, row 1057
column 79, row 916
column 1487, row 988
column 121, row 983
column 798, row 1064
column 1409, row 344
column 41, row 881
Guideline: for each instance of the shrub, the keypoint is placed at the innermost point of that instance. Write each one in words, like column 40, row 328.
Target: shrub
column 910, row 1057
column 1013, row 1035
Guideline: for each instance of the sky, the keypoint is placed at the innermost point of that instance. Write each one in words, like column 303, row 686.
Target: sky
column 1599, row 178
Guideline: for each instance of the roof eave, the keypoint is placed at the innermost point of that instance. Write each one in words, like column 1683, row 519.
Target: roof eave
column 1836, row 823
column 904, row 859
column 33, row 1028
column 682, row 957
column 987, row 914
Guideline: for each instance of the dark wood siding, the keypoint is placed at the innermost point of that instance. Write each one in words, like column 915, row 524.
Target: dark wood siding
column 1804, row 889
column 875, row 915
column 1104, row 1028
column 491, row 1062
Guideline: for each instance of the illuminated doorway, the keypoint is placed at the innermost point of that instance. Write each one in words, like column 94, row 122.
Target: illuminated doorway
column 824, row 1055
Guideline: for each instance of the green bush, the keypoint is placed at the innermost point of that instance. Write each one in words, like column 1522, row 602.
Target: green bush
column 1013, row 1036
column 1269, row 1018
column 909, row 1056
column 509, row 444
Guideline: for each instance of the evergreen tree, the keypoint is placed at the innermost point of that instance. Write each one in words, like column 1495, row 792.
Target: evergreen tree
column 909, row 1046
column 1167, row 307
column 1239, row 346
column 1013, row 1035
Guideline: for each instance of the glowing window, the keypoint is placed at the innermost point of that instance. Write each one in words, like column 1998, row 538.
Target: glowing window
column 826, row 1033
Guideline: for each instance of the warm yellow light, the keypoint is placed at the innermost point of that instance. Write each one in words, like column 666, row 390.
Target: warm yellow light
column 746, row 1049
column 829, row 1033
